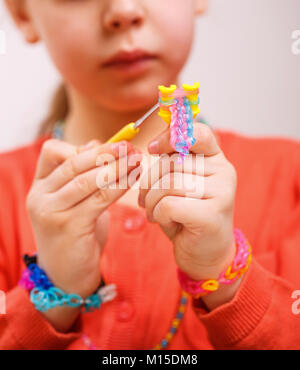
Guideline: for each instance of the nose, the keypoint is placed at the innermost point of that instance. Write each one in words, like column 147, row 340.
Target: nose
column 123, row 14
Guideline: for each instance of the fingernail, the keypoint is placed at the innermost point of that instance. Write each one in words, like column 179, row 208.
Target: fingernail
column 137, row 154
column 91, row 144
column 153, row 147
column 115, row 147
column 141, row 201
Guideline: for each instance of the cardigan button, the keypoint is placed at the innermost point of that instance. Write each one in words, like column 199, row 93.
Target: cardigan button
column 134, row 223
column 126, row 311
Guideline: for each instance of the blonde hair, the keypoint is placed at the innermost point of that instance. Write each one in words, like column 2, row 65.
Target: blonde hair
column 58, row 110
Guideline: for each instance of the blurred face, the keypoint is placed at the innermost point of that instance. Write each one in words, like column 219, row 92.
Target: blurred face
column 116, row 52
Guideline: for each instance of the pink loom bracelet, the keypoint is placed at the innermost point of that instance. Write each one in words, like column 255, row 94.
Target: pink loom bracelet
column 239, row 265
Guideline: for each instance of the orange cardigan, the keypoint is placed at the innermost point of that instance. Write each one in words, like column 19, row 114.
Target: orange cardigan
column 141, row 263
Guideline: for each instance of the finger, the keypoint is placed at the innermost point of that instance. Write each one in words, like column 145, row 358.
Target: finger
column 167, row 163
column 91, row 144
column 206, row 141
column 88, row 182
column 181, row 185
column 85, row 161
column 191, row 186
column 98, row 202
column 184, row 210
column 53, row 153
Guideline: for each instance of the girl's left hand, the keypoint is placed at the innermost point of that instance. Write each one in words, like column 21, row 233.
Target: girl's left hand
column 198, row 219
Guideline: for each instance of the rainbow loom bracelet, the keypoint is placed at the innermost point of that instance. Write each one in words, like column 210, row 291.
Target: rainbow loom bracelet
column 44, row 295
column 239, row 266
column 178, row 108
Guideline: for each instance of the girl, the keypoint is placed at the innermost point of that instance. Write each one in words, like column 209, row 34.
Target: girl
column 112, row 55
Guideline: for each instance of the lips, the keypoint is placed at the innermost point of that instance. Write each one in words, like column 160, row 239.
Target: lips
column 127, row 58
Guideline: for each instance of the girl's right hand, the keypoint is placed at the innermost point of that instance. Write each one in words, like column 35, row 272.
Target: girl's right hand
column 67, row 210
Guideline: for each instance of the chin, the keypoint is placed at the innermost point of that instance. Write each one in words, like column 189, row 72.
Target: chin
column 130, row 97
column 134, row 94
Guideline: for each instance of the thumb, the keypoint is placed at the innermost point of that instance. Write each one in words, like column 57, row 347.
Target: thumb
column 101, row 228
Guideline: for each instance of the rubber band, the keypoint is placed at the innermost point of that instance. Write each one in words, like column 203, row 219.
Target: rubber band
column 233, row 272
column 178, row 108
column 44, row 295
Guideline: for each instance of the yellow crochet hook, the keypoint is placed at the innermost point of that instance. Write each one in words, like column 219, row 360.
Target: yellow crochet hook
column 129, row 131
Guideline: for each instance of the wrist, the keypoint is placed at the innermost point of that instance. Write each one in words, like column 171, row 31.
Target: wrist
column 84, row 288
column 45, row 296
column 62, row 319
column 223, row 295
column 231, row 275
column 214, row 270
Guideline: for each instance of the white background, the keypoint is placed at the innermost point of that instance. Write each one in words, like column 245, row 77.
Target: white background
column 250, row 80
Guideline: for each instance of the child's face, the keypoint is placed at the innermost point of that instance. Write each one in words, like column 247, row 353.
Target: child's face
column 81, row 35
